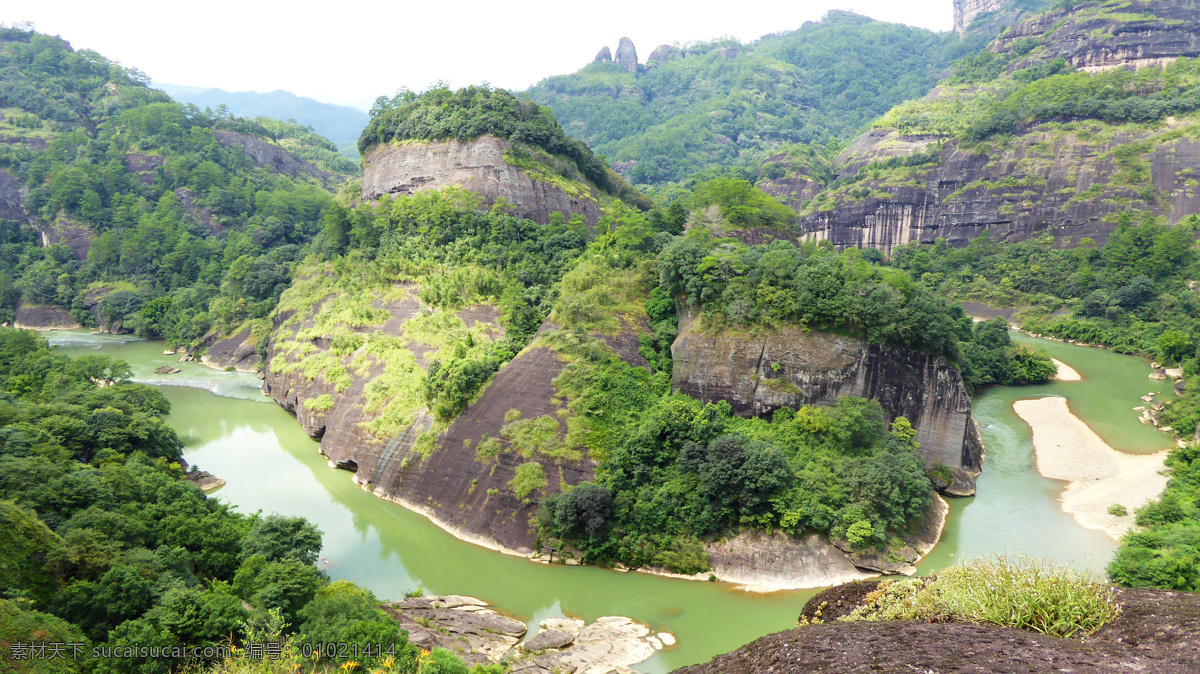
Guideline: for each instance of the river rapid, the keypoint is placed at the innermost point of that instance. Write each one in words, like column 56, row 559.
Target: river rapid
column 269, row 464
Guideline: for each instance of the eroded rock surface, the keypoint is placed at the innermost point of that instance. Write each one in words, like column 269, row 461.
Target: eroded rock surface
column 269, row 154
column 789, row 367
column 237, row 351
column 43, row 317
column 476, row 165
column 479, row 635
column 1157, row 631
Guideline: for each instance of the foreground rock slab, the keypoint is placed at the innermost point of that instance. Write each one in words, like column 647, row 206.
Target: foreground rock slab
column 479, row 635
column 1157, row 631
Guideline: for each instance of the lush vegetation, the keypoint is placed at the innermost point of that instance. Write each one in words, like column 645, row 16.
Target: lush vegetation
column 722, row 105
column 439, row 249
column 1131, row 295
column 468, row 113
column 107, row 546
column 187, row 234
column 1164, row 551
column 1021, row 593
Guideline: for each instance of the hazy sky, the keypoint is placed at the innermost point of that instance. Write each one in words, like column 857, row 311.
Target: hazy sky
column 350, row 51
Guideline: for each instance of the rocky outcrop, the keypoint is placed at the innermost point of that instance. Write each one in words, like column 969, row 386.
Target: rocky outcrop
column 239, row 352
column 761, row 561
column 144, row 166
column 1064, row 180
column 271, row 155
column 12, row 197
column 627, row 55
column 1043, row 181
column 1156, row 631
column 1145, row 33
column 480, row 635
column 203, row 214
column 477, row 165
column 43, row 317
column 603, row 56
column 790, row 367
column 661, row 54
column 966, row 11
column 73, row 235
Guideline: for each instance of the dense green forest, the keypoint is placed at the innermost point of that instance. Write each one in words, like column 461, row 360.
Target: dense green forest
column 188, row 235
column 715, row 106
column 107, row 546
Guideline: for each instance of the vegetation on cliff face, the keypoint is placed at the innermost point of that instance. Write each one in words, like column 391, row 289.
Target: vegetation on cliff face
column 106, row 545
column 181, row 233
column 722, row 105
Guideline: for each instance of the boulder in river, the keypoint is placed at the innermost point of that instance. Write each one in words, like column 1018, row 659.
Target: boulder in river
column 166, row 369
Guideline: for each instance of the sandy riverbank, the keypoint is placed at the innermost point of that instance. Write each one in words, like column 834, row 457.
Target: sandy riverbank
column 1097, row 475
column 1065, row 372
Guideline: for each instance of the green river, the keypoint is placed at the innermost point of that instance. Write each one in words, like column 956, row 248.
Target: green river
column 233, row 431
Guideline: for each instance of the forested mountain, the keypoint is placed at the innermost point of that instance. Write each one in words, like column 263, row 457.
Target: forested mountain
column 138, row 213
column 339, row 123
column 720, row 105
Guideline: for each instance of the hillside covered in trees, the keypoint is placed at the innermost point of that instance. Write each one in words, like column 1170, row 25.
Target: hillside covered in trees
column 161, row 219
column 723, row 105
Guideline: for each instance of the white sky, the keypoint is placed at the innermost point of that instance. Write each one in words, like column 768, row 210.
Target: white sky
column 350, row 51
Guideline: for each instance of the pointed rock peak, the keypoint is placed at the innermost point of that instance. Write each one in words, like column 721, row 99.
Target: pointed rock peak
column 627, row 55
column 605, row 56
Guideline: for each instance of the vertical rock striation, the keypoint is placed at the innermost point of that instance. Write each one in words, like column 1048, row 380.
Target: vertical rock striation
column 477, row 165
column 759, row 373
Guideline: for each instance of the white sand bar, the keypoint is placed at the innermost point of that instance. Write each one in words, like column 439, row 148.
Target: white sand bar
column 1097, row 475
column 1065, row 372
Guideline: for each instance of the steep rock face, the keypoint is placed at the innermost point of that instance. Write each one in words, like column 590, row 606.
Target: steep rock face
column 758, row 374
column 12, row 195
column 627, row 55
column 452, row 485
column 476, row 165
column 43, row 317
column 73, row 235
column 1065, row 178
column 1045, row 181
column 271, row 155
column 965, row 12
column 237, row 352
column 603, row 56
column 1146, row 34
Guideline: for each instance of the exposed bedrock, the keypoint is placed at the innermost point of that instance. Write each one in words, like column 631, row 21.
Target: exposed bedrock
column 477, row 165
column 1149, row 33
column 757, row 373
column 1044, row 181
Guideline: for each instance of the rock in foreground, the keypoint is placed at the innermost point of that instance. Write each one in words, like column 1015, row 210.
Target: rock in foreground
column 1157, row 631
column 479, row 635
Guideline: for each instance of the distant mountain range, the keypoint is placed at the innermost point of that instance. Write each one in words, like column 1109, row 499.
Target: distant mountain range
column 339, row 123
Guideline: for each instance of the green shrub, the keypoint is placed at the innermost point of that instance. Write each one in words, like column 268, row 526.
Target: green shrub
column 1016, row 592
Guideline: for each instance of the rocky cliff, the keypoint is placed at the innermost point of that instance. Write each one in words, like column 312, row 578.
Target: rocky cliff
column 789, row 367
column 1094, row 36
column 480, row 166
column 269, row 154
column 428, row 466
column 1067, row 177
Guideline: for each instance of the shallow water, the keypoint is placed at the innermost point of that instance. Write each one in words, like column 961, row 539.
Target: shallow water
column 269, row 464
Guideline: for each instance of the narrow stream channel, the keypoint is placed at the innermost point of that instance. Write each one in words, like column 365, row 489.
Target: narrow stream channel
column 269, row 464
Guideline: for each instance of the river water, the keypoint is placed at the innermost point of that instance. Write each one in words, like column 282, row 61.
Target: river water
column 269, row 464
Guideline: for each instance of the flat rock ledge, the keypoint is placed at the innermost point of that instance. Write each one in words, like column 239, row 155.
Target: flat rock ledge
column 204, row 479
column 479, row 635
column 1157, row 631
